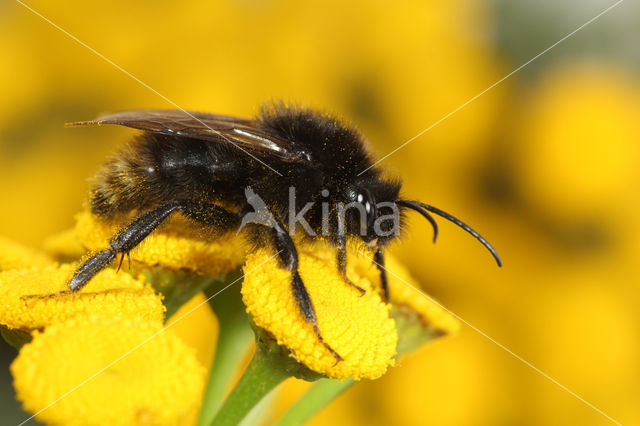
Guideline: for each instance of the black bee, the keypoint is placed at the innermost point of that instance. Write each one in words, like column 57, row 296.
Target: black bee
column 218, row 171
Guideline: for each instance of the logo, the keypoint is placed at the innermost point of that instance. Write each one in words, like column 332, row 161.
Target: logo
column 260, row 214
column 383, row 225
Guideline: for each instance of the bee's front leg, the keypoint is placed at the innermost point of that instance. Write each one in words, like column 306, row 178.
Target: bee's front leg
column 341, row 260
column 378, row 259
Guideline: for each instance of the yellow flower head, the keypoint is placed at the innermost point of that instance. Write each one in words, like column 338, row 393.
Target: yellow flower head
column 359, row 328
column 14, row 255
column 109, row 293
column 176, row 246
column 155, row 381
column 404, row 294
column 64, row 246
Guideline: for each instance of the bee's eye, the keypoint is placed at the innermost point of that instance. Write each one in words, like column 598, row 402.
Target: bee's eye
column 366, row 199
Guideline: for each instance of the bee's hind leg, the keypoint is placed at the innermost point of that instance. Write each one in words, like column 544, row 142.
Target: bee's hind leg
column 289, row 257
column 90, row 267
column 127, row 238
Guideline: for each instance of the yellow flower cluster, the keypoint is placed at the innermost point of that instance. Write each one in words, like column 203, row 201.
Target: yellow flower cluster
column 30, row 300
column 359, row 328
column 404, row 292
column 113, row 324
column 586, row 116
column 97, row 370
column 14, row 256
column 178, row 246
column 64, row 246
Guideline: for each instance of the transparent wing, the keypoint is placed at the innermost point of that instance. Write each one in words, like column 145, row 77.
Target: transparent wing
column 210, row 127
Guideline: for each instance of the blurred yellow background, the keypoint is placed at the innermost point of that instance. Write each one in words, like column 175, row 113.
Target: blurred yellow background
column 545, row 165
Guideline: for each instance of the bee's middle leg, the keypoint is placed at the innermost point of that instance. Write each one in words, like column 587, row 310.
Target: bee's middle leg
column 289, row 258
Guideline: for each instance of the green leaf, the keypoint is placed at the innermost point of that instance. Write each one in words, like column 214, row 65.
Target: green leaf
column 178, row 287
column 413, row 332
column 15, row 336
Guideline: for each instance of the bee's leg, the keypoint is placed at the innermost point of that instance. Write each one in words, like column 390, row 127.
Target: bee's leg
column 127, row 238
column 123, row 242
column 289, row 257
column 378, row 258
column 341, row 260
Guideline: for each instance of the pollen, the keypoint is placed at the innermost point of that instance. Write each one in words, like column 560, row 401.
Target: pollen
column 97, row 370
column 14, row 255
column 359, row 328
column 176, row 246
column 31, row 300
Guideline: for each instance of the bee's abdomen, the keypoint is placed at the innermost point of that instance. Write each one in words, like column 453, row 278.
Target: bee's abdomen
column 123, row 185
column 150, row 171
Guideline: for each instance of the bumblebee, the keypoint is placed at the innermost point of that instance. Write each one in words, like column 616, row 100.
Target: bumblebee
column 227, row 174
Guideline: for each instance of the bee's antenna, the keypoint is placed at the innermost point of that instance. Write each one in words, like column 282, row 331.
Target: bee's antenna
column 465, row 227
column 415, row 205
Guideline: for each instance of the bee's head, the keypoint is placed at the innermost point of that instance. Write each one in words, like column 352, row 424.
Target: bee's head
column 371, row 212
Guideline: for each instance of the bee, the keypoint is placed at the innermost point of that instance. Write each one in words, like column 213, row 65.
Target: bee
column 228, row 174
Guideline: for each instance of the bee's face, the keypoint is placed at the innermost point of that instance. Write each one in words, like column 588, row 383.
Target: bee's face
column 376, row 218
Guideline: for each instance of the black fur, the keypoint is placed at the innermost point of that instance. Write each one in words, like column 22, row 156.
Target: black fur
column 155, row 169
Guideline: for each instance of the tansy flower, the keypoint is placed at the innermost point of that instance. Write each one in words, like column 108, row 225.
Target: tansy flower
column 156, row 379
column 419, row 318
column 29, row 300
column 406, row 296
column 586, row 116
column 359, row 328
column 14, row 256
column 175, row 246
column 64, row 246
column 404, row 291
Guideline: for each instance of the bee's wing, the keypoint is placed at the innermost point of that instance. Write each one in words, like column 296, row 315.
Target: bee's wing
column 209, row 127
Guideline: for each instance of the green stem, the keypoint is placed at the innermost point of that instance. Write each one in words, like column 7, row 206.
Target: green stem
column 262, row 410
column 260, row 378
column 234, row 334
column 317, row 397
column 270, row 366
